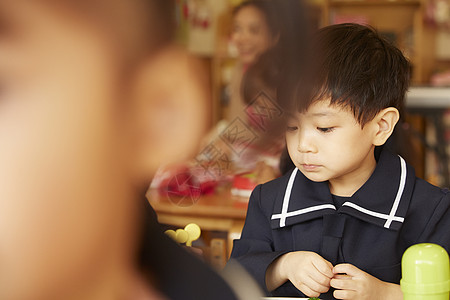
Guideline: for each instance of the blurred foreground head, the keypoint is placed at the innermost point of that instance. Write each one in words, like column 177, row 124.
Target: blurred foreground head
column 73, row 75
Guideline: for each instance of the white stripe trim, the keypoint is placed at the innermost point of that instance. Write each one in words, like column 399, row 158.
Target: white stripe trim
column 287, row 196
column 303, row 211
column 373, row 213
column 401, row 188
column 389, row 218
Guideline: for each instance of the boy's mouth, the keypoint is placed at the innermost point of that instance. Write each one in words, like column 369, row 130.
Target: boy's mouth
column 310, row 167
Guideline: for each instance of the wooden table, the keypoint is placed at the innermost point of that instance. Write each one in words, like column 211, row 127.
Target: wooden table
column 218, row 212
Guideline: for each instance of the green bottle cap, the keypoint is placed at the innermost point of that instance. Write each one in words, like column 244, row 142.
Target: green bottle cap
column 425, row 273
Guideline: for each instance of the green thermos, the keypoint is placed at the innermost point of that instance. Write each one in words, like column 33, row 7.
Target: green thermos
column 425, row 273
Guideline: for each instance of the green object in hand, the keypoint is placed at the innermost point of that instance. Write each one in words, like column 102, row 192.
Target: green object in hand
column 315, row 298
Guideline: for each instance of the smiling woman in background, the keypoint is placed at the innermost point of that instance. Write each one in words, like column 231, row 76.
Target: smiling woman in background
column 255, row 31
column 269, row 37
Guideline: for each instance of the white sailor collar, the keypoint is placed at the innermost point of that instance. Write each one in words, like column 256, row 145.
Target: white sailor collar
column 383, row 200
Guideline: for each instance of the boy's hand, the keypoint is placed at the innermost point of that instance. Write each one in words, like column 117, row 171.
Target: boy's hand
column 357, row 284
column 308, row 272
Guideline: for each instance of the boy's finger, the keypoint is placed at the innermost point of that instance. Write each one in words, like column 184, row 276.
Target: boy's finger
column 343, row 284
column 305, row 289
column 320, row 278
column 348, row 269
column 321, row 286
column 342, row 276
column 344, row 294
column 324, row 267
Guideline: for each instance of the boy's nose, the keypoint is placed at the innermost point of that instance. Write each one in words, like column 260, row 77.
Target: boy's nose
column 305, row 144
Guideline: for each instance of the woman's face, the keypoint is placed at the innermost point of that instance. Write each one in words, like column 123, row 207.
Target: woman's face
column 251, row 34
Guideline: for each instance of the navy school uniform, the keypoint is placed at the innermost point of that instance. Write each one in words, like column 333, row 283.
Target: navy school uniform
column 392, row 211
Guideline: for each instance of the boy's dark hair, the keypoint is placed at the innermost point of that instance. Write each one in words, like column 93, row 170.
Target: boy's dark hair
column 357, row 68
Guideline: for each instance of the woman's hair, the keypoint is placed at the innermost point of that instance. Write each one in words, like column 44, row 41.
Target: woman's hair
column 274, row 69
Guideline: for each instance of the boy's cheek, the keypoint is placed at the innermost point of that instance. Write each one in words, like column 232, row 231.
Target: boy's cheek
column 291, row 145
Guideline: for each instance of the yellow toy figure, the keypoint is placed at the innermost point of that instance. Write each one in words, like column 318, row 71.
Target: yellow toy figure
column 187, row 235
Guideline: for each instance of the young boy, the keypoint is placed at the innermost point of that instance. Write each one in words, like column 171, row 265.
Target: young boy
column 338, row 224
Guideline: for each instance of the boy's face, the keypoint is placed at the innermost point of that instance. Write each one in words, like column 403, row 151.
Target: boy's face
column 326, row 143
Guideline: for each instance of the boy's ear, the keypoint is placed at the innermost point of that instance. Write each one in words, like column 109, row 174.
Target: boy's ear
column 385, row 121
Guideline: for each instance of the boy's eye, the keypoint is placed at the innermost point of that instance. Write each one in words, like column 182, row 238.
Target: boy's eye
column 291, row 128
column 325, row 129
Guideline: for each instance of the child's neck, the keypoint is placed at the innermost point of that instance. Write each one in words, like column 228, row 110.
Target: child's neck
column 347, row 185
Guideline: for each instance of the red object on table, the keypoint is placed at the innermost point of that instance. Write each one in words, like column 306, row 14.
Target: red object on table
column 243, row 185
